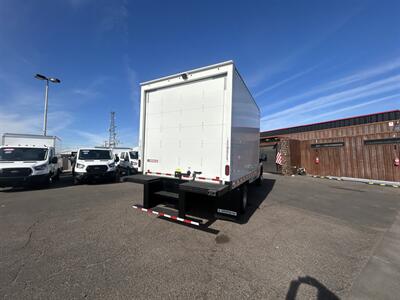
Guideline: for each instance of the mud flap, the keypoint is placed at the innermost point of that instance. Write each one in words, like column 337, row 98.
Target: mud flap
column 228, row 206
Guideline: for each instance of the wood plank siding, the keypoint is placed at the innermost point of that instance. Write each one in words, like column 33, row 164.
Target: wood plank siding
column 344, row 152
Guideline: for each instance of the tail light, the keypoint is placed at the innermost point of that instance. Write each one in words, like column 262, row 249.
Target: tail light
column 227, row 170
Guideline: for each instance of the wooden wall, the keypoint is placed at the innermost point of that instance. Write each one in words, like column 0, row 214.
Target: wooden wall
column 366, row 129
column 354, row 159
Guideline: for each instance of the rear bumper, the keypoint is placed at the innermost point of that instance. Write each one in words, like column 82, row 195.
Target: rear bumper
column 22, row 181
column 94, row 176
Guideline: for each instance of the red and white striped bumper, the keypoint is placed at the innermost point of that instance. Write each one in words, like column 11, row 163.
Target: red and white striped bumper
column 150, row 211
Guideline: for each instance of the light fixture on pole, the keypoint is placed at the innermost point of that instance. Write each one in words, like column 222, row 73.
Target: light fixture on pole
column 46, row 97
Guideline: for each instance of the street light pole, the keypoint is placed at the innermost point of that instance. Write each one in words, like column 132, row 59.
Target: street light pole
column 46, row 98
column 46, row 103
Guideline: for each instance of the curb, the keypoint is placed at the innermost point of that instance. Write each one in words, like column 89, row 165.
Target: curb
column 366, row 182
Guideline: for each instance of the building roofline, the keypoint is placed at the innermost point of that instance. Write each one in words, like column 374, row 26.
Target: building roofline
column 335, row 120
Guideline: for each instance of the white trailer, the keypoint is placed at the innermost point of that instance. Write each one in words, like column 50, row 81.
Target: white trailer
column 200, row 128
column 29, row 159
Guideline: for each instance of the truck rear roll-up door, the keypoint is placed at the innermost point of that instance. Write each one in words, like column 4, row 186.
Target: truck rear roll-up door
column 184, row 128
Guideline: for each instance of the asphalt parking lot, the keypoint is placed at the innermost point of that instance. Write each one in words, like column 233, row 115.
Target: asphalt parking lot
column 302, row 238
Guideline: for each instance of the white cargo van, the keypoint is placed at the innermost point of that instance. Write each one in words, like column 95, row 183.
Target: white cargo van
column 27, row 159
column 199, row 129
column 93, row 164
column 128, row 162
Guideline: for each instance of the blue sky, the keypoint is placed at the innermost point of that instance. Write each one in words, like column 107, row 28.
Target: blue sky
column 304, row 61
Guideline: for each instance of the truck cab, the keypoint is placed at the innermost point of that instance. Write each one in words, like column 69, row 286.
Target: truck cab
column 128, row 162
column 28, row 165
column 94, row 164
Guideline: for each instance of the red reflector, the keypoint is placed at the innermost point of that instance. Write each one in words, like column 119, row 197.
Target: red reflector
column 227, row 170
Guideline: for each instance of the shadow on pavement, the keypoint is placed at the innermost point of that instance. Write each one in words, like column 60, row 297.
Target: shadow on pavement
column 65, row 180
column 202, row 209
column 322, row 291
column 257, row 195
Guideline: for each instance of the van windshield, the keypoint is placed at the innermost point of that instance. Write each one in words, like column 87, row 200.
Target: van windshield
column 133, row 154
column 94, row 154
column 22, row 154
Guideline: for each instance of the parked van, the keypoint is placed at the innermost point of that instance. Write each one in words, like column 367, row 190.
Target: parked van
column 94, row 164
column 27, row 159
column 128, row 162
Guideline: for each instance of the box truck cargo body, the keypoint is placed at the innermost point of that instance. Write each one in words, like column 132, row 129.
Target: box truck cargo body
column 16, row 139
column 28, row 159
column 200, row 126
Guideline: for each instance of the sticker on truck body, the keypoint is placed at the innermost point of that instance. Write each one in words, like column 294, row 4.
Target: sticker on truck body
column 227, row 212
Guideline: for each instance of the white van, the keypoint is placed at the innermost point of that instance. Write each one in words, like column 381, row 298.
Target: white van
column 93, row 164
column 128, row 162
column 27, row 159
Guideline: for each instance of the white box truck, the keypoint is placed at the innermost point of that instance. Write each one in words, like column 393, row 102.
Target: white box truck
column 199, row 129
column 27, row 159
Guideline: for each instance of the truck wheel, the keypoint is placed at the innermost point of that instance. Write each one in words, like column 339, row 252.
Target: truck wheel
column 259, row 179
column 243, row 198
column 117, row 177
column 57, row 177
column 46, row 181
column 76, row 181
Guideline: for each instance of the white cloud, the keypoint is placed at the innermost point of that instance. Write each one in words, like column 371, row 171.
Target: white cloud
column 126, row 136
column 92, row 139
column 21, row 109
column 291, row 57
column 395, row 97
column 92, row 88
column 115, row 15
column 15, row 123
column 133, row 83
column 375, row 88
column 355, row 78
column 284, row 81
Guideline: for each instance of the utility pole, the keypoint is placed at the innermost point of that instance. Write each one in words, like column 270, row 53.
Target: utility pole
column 112, row 139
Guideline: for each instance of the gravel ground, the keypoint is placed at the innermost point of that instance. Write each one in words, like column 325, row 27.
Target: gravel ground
column 302, row 238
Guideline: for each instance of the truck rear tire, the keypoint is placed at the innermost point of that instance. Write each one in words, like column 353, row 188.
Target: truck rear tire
column 57, row 177
column 243, row 198
column 46, row 182
column 259, row 180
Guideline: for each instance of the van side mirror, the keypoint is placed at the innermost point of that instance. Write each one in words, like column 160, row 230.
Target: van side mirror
column 116, row 159
column 54, row 160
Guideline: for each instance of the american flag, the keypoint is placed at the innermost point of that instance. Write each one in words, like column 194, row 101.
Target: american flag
column 279, row 158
